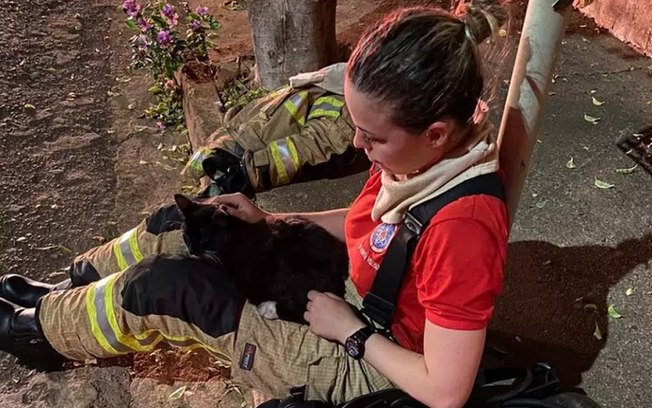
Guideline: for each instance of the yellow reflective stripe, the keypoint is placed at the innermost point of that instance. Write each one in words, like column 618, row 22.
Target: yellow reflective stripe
column 122, row 264
column 133, row 246
column 278, row 163
column 326, row 106
column 338, row 103
column 294, row 154
column 107, row 333
column 125, row 340
column 149, row 339
column 294, row 104
column 92, row 316
column 126, row 249
column 320, row 113
column 197, row 159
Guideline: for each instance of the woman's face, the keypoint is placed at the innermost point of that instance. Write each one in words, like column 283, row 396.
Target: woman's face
column 392, row 148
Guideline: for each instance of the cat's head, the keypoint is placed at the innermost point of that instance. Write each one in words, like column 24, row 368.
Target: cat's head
column 207, row 226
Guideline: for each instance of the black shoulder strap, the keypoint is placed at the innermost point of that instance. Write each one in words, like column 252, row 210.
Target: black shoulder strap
column 380, row 303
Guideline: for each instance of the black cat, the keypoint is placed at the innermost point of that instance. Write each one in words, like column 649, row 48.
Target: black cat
column 273, row 263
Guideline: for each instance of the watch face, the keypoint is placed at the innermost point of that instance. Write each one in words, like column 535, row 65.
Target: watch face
column 352, row 347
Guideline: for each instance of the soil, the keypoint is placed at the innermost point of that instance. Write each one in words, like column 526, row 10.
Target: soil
column 79, row 166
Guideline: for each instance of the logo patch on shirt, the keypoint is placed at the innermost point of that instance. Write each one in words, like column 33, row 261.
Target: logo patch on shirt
column 382, row 237
column 247, row 358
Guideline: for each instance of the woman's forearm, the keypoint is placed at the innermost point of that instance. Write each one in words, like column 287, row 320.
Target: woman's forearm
column 331, row 220
column 405, row 369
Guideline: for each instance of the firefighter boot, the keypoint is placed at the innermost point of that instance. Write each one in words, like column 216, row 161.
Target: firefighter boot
column 26, row 292
column 21, row 335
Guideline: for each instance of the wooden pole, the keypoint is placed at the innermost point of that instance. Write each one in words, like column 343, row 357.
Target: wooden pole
column 543, row 29
column 291, row 36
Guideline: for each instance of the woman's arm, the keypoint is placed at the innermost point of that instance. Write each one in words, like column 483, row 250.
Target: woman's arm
column 331, row 220
column 238, row 205
column 441, row 378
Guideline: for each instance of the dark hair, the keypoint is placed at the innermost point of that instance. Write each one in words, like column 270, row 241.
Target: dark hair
column 423, row 62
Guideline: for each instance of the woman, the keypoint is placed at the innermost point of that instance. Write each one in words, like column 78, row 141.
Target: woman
column 413, row 88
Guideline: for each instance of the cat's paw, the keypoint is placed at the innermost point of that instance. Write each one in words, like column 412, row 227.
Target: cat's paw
column 268, row 310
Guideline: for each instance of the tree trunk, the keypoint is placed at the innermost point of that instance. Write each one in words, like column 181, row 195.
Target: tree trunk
column 291, row 36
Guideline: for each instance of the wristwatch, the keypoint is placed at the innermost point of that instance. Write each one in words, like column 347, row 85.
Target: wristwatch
column 354, row 344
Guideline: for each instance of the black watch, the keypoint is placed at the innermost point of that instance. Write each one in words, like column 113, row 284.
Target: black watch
column 354, row 344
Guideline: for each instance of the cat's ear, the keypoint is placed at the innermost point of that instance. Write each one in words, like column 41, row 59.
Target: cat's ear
column 185, row 205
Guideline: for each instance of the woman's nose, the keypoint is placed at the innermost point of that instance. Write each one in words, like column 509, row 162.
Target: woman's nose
column 359, row 141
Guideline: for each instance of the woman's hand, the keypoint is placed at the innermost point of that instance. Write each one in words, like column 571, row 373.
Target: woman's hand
column 239, row 206
column 330, row 317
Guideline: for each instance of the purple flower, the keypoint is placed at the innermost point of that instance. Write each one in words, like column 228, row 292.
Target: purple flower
column 131, row 7
column 170, row 15
column 202, row 11
column 161, row 126
column 168, row 11
column 195, row 25
column 144, row 25
column 170, row 84
column 163, row 37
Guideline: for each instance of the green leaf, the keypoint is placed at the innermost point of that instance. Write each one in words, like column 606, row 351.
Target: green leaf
column 627, row 171
column 596, row 102
column 629, row 291
column 541, row 204
column 597, row 333
column 570, row 164
column 613, row 313
column 591, row 119
column 131, row 24
column 178, row 393
column 154, row 89
column 603, row 185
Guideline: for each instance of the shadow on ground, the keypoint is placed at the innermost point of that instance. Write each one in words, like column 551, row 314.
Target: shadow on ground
column 563, row 292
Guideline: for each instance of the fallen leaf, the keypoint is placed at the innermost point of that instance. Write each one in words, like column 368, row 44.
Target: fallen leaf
column 46, row 248
column 629, row 291
column 541, row 204
column 603, row 185
column 29, row 106
column 178, row 393
column 627, row 171
column 613, row 313
column 591, row 119
column 570, row 164
column 591, row 306
column 593, row 91
column 21, row 239
column 596, row 102
column 597, row 333
column 142, row 162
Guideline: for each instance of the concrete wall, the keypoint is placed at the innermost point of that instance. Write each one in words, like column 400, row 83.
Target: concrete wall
column 627, row 20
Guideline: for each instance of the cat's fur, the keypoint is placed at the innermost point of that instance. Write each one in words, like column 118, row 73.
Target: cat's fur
column 269, row 261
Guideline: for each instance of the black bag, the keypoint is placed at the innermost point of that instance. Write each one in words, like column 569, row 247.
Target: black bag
column 494, row 388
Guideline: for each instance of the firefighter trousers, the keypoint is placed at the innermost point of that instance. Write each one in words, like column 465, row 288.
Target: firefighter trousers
column 184, row 302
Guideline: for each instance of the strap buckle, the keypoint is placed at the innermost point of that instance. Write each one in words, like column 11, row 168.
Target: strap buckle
column 377, row 309
column 412, row 223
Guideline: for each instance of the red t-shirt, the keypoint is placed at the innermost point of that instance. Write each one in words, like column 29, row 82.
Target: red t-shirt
column 456, row 269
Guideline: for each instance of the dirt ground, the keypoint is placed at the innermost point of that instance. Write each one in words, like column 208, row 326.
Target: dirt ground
column 79, row 166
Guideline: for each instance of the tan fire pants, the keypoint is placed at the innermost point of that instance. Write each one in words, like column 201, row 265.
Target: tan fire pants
column 187, row 303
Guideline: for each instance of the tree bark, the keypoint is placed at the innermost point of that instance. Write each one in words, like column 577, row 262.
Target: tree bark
column 291, row 36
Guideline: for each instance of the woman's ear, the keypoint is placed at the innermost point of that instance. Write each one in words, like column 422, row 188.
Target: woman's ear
column 438, row 134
